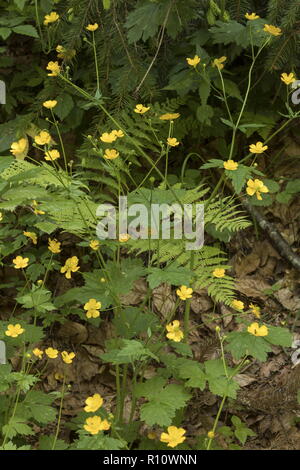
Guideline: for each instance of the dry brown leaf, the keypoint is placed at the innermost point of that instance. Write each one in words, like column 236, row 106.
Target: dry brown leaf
column 137, row 294
column 201, row 302
column 72, row 332
column 288, row 299
column 247, row 265
column 243, row 379
column 164, row 299
column 252, row 287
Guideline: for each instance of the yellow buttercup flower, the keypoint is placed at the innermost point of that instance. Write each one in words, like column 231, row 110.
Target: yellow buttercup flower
column 71, row 266
column 172, row 141
column 92, row 313
column 111, row 154
column 19, row 148
column 124, row 237
column 252, row 16
column 51, row 353
column 93, row 403
column 51, row 18
column 92, row 27
column 184, row 292
column 35, row 210
column 94, row 424
column 210, row 434
column 32, row 236
column 14, row 330
column 193, row 62
column 219, row 63
column 43, row 138
column 268, row 28
column 140, row 109
column 38, row 353
column 259, row 147
column 52, row 155
column 92, row 304
column 54, row 68
column 237, row 304
column 288, row 78
column 67, row 357
column 174, row 331
column 63, row 53
column 118, row 133
column 54, row 246
column 256, row 330
column 108, row 137
column 20, row 262
column 1, row 216
column 50, row 104
column 230, row 165
column 255, row 310
column 169, row 116
column 219, row 272
column 94, row 244
column 256, row 187
column 173, row 437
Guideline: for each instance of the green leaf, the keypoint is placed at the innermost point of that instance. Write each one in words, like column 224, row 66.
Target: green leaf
column 239, row 177
column 46, row 443
column 241, row 431
column 26, row 30
column 213, row 163
column 193, row 373
column 64, row 106
column 174, row 275
column 133, row 321
column 293, row 187
column 16, row 426
column 163, row 401
column 106, row 4
column 243, row 343
column 129, row 351
column 231, row 88
column 5, row 32
column 20, row 3
column 204, row 89
column 226, row 32
column 279, row 336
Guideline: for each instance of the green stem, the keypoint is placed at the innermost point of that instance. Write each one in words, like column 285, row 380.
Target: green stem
column 59, row 414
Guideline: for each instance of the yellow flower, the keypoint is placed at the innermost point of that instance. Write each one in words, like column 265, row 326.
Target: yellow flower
column 169, row 116
column 256, row 187
column 54, row 246
column 18, row 148
column 51, row 18
column 1, row 216
column 268, row 28
column 92, row 314
column 51, row 353
column 63, row 53
column 94, row 424
column 124, row 237
column 288, row 78
column 256, row 330
column 184, row 292
column 67, row 357
column 255, row 310
column 50, row 104
column 140, row 109
column 252, row 16
column 35, row 210
column 93, row 403
column 108, row 137
column 230, row 165
column 92, row 304
column 111, row 154
column 92, row 27
column 172, row 141
column 219, row 272
column 210, row 434
column 95, row 244
column 42, row 138
column 54, row 68
column 32, row 236
column 219, row 62
column 14, row 330
column 118, row 133
column 52, row 155
column 237, row 304
column 20, row 262
column 152, row 435
column 259, row 147
column 38, row 353
column 71, row 266
column 174, row 436
column 174, row 331
column 193, row 62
